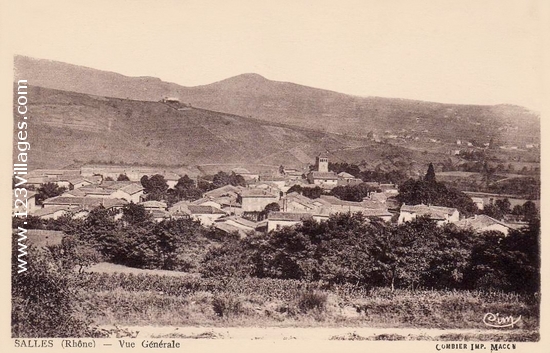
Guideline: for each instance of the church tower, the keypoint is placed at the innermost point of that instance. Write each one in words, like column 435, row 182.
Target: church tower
column 322, row 163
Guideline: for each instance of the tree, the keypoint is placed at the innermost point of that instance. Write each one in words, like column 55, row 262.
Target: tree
column 272, row 207
column 530, row 212
column 414, row 192
column 312, row 193
column 185, row 183
column 48, row 190
column 74, row 252
column 135, row 214
column 155, row 187
column 222, row 179
column 430, row 174
column 122, row 177
column 108, row 179
column 503, row 206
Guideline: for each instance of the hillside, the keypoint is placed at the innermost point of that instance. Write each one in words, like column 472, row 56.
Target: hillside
column 252, row 95
column 68, row 127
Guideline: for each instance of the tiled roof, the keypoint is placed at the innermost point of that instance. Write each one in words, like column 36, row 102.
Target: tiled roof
column 171, row 176
column 242, row 221
column 437, row 212
column 336, row 201
column 195, row 209
column 132, row 188
column 85, row 202
column 369, row 212
column 256, row 193
column 41, row 212
column 345, row 175
column 227, row 189
column 159, row 213
column 324, row 175
column 288, row 216
column 75, row 192
column 153, row 204
column 228, row 228
column 480, row 221
column 95, row 190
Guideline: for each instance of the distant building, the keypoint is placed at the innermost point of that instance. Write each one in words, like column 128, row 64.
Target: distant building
column 170, row 100
column 484, row 223
column 441, row 215
column 478, row 202
column 255, row 200
column 322, row 177
column 278, row 220
column 205, row 214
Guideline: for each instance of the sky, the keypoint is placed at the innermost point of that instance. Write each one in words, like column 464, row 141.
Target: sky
column 470, row 52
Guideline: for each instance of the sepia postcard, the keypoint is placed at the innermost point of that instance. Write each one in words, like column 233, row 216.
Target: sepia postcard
column 274, row 175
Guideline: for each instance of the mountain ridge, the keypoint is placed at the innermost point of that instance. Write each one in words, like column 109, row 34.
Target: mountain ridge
column 253, row 95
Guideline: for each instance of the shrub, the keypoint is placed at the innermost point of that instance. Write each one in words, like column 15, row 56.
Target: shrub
column 312, row 300
column 227, row 305
column 43, row 302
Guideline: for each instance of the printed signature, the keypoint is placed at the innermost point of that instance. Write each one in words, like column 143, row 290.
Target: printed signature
column 495, row 320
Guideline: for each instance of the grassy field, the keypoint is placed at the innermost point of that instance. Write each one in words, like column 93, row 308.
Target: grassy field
column 128, row 299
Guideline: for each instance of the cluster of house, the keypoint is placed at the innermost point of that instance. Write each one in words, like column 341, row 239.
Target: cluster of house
column 229, row 208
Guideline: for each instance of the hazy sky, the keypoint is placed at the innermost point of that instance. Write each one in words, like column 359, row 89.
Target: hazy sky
column 483, row 52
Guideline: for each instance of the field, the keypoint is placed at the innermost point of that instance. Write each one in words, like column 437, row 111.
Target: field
column 193, row 307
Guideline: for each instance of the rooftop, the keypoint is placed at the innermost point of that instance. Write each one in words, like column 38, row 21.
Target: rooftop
column 196, row 209
column 437, row 212
column 288, row 216
column 256, row 193
column 324, row 175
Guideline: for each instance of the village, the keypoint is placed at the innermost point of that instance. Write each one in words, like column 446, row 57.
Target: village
column 263, row 202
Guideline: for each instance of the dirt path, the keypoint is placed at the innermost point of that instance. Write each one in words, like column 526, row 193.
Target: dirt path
column 299, row 333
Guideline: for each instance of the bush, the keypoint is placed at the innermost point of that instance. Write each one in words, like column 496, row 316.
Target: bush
column 312, row 300
column 227, row 305
column 43, row 302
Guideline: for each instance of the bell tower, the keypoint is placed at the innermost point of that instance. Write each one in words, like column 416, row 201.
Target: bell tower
column 322, row 163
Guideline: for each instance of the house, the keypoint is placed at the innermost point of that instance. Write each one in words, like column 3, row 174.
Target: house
column 341, row 206
column 78, row 182
column 232, row 224
column 53, row 212
column 130, row 193
column 326, row 180
column 154, row 205
column 96, row 191
column 347, row 179
column 171, row 178
column 277, row 220
column 159, row 214
column 180, row 210
column 441, row 215
column 295, row 202
column 205, row 214
column 478, row 202
column 29, row 205
column 274, row 180
column 484, row 223
column 245, row 173
column 373, row 213
column 85, row 202
column 255, row 200
column 227, row 190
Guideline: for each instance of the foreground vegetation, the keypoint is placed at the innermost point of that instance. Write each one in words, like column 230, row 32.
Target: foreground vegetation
column 347, row 271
